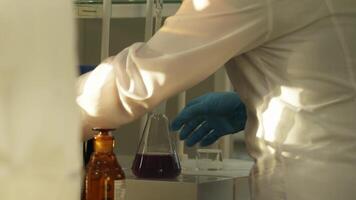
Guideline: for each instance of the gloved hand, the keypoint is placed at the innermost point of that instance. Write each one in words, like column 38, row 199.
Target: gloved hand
column 208, row 117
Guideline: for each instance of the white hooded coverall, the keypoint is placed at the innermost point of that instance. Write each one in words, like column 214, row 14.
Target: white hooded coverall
column 293, row 62
column 40, row 155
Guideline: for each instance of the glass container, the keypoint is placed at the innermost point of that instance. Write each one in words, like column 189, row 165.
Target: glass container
column 209, row 159
column 104, row 179
column 156, row 157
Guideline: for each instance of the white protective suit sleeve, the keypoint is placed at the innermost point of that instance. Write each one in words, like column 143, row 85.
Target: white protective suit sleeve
column 39, row 120
column 192, row 45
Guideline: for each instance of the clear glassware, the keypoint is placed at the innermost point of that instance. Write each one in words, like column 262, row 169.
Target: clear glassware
column 156, row 156
column 209, row 159
column 104, row 177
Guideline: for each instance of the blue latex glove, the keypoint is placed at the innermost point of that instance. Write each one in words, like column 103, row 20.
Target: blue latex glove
column 208, row 117
column 86, row 68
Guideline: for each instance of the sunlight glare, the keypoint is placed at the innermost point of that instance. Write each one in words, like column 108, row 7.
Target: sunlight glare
column 271, row 118
column 89, row 98
column 200, row 5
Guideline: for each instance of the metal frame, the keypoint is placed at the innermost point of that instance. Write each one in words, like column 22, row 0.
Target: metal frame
column 121, row 10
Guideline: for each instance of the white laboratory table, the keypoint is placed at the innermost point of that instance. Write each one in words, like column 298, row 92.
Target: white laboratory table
column 231, row 183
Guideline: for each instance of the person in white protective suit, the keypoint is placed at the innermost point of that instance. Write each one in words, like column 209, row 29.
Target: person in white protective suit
column 292, row 62
column 40, row 138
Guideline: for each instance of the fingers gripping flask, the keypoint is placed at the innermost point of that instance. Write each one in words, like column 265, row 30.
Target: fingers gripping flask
column 104, row 178
column 156, row 157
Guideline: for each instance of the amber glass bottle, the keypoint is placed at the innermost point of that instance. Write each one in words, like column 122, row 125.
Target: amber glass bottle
column 104, row 179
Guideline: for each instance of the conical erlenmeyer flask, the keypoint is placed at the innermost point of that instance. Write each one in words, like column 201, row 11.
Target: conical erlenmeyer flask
column 156, row 156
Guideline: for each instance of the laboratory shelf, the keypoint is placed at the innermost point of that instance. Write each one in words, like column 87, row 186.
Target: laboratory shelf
column 121, row 8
